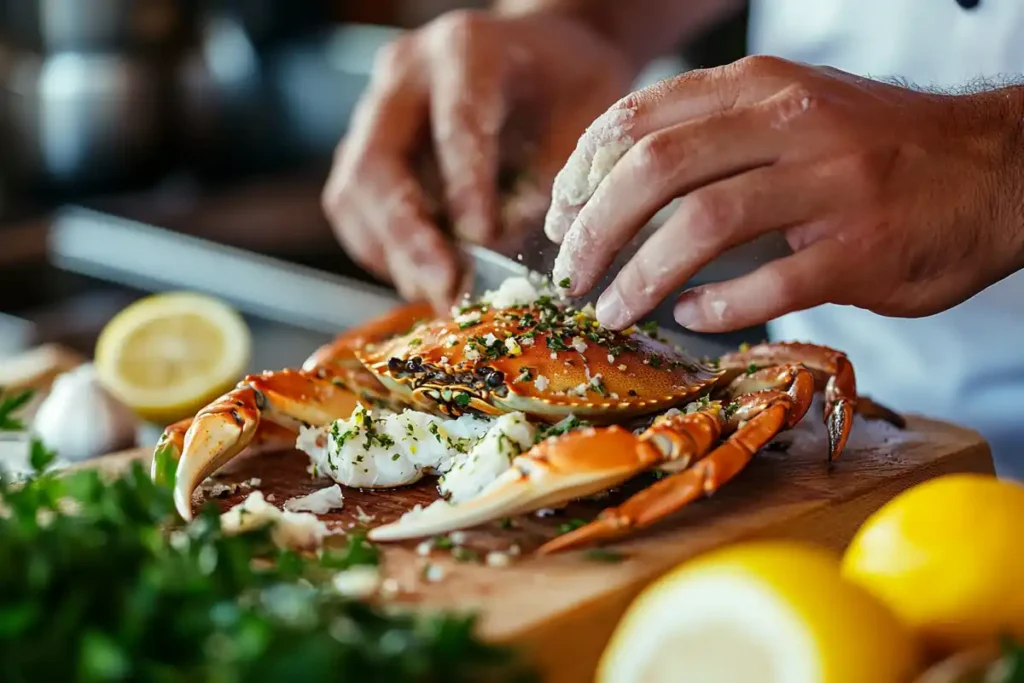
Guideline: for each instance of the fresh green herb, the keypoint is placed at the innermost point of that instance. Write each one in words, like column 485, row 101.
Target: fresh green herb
column 461, row 554
column 730, row 409
column 564, row 283
column 525, row 375
column 751, row 369
column 8, row 406
column 604, row 555
column 506, row 523
column 654, row 360
column 443, row 543
column 1012, row 660
column 462, row 399
column 571, row 525
column 556, row 343
column 102, row 583
column 650, row 327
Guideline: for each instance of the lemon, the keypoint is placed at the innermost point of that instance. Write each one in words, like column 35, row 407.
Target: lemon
column 771, row 611
column 167, row 355
column 948, row 557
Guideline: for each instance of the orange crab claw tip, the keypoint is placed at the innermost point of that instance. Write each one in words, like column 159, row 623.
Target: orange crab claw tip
column 598, row 530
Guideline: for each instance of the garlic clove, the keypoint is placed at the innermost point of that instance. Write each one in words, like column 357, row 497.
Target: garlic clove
column 79, row 419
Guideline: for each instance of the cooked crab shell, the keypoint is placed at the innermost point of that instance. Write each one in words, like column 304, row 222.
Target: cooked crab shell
column 542, row 360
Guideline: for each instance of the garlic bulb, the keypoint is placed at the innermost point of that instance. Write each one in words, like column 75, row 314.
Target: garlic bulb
column 80, row 420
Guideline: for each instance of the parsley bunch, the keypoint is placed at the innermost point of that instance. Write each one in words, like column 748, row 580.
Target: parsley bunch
column 99, row 583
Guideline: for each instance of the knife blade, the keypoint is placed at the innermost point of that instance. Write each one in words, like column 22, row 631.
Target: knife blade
column 487, row 269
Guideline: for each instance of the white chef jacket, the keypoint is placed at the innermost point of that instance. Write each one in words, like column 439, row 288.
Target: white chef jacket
column 965, row 365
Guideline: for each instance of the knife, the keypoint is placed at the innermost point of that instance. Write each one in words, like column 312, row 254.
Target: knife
column 487, row 269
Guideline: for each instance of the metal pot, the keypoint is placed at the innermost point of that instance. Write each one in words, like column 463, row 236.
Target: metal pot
column 86, row 25
column 83, row 121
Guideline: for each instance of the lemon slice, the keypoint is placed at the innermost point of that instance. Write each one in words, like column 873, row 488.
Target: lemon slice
column 766, row 611
column 167, row 355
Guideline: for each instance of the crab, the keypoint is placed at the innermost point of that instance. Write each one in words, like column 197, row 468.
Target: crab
column 598, row 406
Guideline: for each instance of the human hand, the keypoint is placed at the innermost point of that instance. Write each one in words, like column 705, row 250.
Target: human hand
column 894, row 200
column 489, row 92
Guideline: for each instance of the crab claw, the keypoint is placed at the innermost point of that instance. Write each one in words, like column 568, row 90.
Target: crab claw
column 832, row 371
column 222, row 430
column 557, row 470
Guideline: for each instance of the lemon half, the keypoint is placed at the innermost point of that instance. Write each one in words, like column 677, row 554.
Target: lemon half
column 167, row 355
column 761, row 611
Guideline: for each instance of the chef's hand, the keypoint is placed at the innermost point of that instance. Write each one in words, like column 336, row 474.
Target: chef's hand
column 897, row 201
column 488, row 92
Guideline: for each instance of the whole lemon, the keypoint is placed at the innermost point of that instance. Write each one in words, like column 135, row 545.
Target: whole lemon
column 948, row 557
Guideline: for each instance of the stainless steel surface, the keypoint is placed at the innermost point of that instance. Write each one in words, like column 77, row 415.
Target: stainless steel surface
column 78, row 118
column 153, row 259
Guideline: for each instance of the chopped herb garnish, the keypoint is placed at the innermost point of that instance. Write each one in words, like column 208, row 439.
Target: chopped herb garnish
column 556, row 343
column 506, row 523
column 751, row 369
column 462, row 399
column 564, row 283
column 650, row 327
column 604, row 555
column 443, row 543
column 461, row 554
column 571, row 525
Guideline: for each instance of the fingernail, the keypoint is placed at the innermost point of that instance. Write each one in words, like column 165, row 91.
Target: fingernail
column 611, row 310
column 688, row 312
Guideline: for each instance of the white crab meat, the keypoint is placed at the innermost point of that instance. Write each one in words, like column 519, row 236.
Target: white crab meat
column 389, row 449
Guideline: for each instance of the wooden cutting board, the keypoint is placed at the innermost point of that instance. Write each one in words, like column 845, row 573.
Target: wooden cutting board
column 561, row 609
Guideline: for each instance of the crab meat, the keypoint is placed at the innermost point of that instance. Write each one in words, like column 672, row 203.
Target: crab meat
column 396, row 449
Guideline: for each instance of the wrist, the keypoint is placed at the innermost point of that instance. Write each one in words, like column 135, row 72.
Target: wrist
column 1007, row 106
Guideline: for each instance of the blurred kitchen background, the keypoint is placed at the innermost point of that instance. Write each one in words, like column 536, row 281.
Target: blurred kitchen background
column 158, row 144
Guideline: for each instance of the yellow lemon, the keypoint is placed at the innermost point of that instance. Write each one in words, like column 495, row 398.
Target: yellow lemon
column 771, row 611
column 948, row 557
column 167, row 355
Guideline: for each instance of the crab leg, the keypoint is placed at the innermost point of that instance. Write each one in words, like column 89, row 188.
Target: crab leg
column 223, row 429
column 755, row 420
column 559, row 469
column 337, row 359
column 831, row 368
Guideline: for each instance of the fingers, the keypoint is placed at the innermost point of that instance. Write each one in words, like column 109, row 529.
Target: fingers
column 374, row 204
column 695, row 94
column 806, row 279
column 707, row 222
column 660, row 167
column 467, row 112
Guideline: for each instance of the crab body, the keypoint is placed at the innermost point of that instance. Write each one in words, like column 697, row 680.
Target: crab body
column 620, row 403
column 540, row 360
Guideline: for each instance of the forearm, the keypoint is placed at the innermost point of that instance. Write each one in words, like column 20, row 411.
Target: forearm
column 643, row 29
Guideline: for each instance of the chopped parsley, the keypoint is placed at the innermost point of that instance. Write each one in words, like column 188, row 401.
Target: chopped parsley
column 564, row 283
column 604, row 555
column 571, row 525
